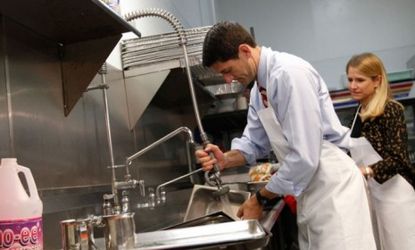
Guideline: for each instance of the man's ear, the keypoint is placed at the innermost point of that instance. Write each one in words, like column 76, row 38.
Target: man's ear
column 244, row 50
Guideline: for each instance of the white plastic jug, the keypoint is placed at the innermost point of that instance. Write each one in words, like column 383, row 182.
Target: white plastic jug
column 20, row 213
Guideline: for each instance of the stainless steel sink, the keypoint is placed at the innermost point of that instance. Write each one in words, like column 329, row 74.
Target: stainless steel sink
column 203, row 201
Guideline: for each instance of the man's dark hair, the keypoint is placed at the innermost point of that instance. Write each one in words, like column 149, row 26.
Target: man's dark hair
column 222, row 42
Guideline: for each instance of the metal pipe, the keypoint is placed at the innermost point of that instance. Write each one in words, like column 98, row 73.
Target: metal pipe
column 190, row 147
column 108, row 126
column 101, row 86
column 174, row 180
column 109, row 136
column 103, row 71
column 130, row 184
column 110, row 148
column 159, row 141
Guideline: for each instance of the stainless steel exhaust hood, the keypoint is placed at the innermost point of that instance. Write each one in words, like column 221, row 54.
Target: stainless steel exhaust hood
column 85, row 33
column 155, row 64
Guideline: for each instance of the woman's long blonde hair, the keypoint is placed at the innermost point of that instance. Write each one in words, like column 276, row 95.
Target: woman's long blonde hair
column 369, row 65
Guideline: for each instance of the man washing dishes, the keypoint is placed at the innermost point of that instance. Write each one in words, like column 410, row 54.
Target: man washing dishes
column 291, row 112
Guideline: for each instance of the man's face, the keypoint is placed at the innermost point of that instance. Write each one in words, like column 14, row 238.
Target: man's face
column 241, row 69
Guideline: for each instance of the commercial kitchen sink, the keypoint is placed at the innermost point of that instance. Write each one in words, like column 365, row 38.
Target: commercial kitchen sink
column 204, row 201
column 208, row 224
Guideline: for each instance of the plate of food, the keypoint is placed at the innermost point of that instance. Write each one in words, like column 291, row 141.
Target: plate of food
column 263, row 172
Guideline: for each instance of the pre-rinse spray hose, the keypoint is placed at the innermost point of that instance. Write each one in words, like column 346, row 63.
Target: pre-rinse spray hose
column 213, row 178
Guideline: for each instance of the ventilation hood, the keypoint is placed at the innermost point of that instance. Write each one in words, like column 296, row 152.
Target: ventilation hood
column 153, row 68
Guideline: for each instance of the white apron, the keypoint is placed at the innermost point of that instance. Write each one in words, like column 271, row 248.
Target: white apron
column 393, row 209
column 333, row 211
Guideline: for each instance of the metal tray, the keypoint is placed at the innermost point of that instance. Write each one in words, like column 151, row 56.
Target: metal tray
column 227, row 233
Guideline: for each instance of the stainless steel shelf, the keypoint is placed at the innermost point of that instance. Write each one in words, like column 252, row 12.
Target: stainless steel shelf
column 84, row 31
column 66, row 22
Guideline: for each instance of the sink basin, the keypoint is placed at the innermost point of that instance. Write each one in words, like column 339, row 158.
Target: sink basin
column 203, row 201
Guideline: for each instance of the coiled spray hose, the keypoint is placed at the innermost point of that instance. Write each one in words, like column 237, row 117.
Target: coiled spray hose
column 212, row 177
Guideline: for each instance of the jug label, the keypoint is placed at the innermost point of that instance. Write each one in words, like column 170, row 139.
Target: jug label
column 21, row 234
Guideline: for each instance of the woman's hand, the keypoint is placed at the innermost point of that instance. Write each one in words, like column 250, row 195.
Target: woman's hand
column 205, row 159
column 366, row 171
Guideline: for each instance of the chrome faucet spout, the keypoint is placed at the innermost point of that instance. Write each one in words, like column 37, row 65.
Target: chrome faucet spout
column 185, row 130
column 172, row 181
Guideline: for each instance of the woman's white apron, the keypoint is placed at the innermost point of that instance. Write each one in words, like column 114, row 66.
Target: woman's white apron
column 392, row 206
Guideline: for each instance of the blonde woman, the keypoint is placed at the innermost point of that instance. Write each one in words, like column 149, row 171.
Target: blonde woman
column 381, row 120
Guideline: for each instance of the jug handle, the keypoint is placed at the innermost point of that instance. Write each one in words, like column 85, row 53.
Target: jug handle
column 30, row 181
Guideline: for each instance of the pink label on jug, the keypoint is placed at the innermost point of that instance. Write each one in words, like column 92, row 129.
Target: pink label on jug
column 21, row 234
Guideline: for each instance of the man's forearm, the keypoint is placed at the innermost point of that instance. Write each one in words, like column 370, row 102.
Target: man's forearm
column 234, row 158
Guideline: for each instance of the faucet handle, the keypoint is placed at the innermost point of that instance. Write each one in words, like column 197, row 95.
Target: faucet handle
column 151, row 198
column 125, row 202
column 108, row 196
column 161, row 196
column 107, row 205
column 142, row 188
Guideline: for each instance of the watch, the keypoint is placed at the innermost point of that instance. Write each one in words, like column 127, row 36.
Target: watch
column 262, row 200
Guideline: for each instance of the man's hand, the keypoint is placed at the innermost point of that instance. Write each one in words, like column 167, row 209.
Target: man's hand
column 206, row 161
column 250, row 209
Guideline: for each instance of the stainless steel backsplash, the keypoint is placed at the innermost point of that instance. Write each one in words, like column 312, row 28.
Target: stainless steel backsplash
column 68, row 155
column 72, row 151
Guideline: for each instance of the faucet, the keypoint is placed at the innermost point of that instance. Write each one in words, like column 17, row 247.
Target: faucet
column 185, row 130
column 213, row 177
column 130, row 183
column 161, row 194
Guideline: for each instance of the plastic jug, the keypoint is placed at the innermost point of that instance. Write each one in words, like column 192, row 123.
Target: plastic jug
column 20, row 213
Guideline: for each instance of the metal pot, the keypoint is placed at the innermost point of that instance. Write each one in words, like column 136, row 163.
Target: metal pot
column 78, row 234
column 119, row 231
